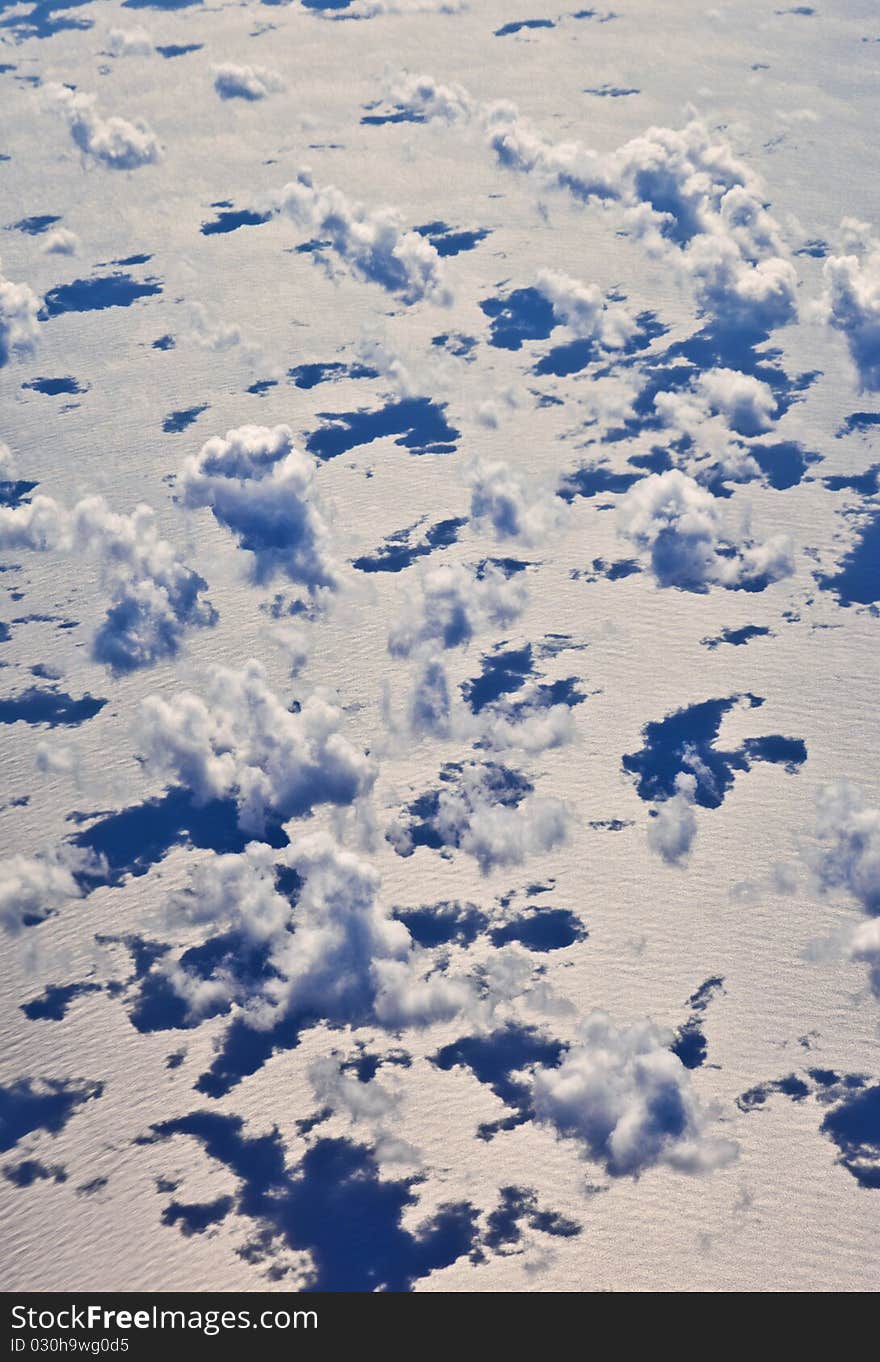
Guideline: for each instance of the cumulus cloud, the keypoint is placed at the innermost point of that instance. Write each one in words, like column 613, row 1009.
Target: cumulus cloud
column 113, row 142
column 628, row 1099
column 672, row 832
column 586, row 311
column 336, row 954
column 679, row 522
column 19, row 327
column 34, row 887
column 510, row 506
column 851, row 301
column 245, row 82
column 428, row 98
column 61, row 241
column 129, row 42
column 154, row 596
column 848, row 857
column 453, row 605
column 261, row 488
column 239, row 741
column 373, row 243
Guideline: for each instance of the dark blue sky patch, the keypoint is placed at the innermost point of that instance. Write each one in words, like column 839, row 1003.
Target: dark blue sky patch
column 333, row 1205
column 262, row 386
column 443, row 924
column 858, row 422
column 493, row 1060
column 55, row 999
column 41, row 1104
column 541, row 929
column 29, row 1171
column 49, row 706
column 518, row 25
column 685, row 741
column 160, row 4
column 690, row 1040
column 502, row 672
column 612, row 91
column 816, row 248
column 136, row 838
column 35, row 226
column 55, row 387
column 447, row 240
column 593, row 479
column 231, row 219
column 523, row 315
column 164, row 343
column 14, row 491
column 510, row 567
column 854, row 1126
column 197, row 1217
column 177, row 421
column 396, row 115
column 519, row 1207
column 94, row 295
column 784, row 463
column 399, row 551
column 242, row 1051
column 737, row 638
column 857, row 582
column 574, row 356
column 617, row 571
column 866, row 484
column 456, row 343
column 310, row 375
column 790, row 1086
column 419, row 424
column 172, row 50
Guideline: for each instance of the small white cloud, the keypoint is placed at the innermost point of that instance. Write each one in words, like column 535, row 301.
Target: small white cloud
column 113, row 142
column 245, row 82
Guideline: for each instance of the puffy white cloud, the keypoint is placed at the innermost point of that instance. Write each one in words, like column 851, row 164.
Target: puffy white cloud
column 570, row 166
column 262, row 489
column 628, row 1099
column 60, row 241
column 585, row 310
column 33, row 887
column 680, row 523
column 672, row 832
column 129, row 42
column 512, row 507
column 154, row 596
column 851, row 301
column 19, row 327
column 847, row 856
column 336, row 955
column 114, row 142
column 427, row 98
column 453, row 605
column 373, row 243
column 748, row 404
column 245, row 82
column 239, row 741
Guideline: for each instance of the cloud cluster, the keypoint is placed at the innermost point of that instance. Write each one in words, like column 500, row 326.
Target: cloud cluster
column 113, row 142
column 245, row 82
column 851, row 301
column 239, row 741
column 679, row 522
column 129, row 42
column 511, row 507
column 628, row 1099
column 262, row 489
column 685, row 195
column 19, row 326
column 374, row 244
column 455, row 603
column 337, row 955
column 154, row 596
column 848, row 857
